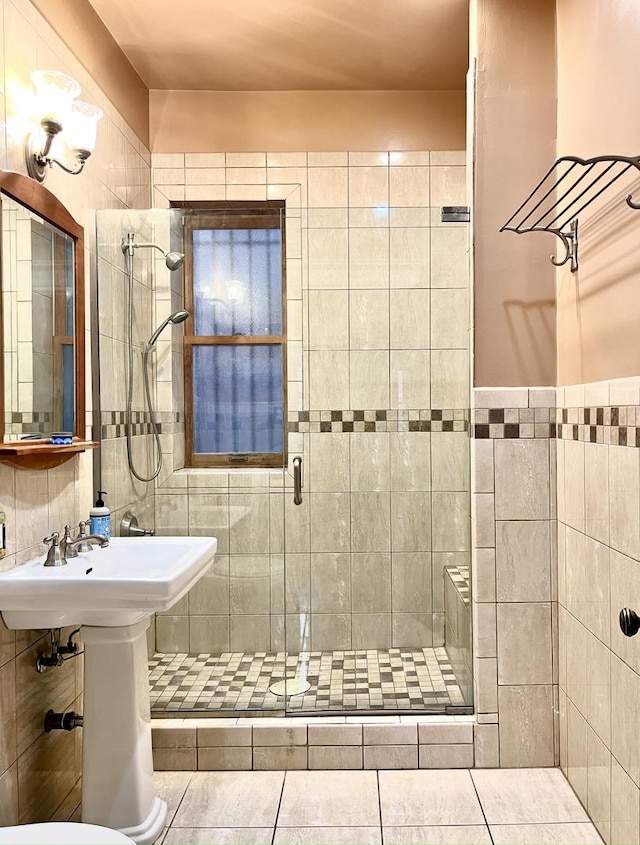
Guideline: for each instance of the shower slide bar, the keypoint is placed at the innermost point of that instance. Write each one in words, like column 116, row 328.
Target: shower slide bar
column 567, row 188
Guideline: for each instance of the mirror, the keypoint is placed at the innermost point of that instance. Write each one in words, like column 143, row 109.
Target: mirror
column 42, row 314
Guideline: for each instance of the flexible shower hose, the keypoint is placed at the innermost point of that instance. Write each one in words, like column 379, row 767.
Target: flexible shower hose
column 147, row 392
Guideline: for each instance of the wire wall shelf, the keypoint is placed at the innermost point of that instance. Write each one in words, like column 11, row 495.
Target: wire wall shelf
column 567, row 188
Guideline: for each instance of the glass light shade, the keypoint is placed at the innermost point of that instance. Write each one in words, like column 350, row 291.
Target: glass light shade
column 82, row 126
column 235, row 292
column 55, row 93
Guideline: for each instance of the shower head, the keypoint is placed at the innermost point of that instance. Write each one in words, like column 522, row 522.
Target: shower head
column 173, row 260
column 176, row 317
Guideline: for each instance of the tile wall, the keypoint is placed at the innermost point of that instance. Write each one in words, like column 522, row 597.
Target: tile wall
column 378, row 320
column 598, row 575
column 514, row 598
column 37, row 770
column 125, row 491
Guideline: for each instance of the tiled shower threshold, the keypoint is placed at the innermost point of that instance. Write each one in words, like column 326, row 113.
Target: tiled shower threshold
column 384, row 741
column 399, row 680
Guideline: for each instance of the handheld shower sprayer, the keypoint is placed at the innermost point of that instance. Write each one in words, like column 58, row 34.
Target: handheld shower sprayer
column 173, row 260
column 176, row 317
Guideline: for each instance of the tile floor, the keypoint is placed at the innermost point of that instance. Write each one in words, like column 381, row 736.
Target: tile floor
column 396, row 679
column 458, row 807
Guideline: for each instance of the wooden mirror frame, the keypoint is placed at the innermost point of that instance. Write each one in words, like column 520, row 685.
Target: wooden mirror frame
column 41, row 454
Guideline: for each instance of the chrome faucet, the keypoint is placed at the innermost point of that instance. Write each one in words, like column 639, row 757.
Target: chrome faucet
column 70, row 547
column 61, row 551
column 91, row 539
column 82, row 545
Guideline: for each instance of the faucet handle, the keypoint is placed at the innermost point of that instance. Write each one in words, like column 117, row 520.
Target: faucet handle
column 81, row 544
column 69, row 550
column 54, row 556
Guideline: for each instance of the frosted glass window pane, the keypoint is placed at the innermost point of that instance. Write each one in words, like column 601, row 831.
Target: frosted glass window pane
column 237, row 399
column 237, row 281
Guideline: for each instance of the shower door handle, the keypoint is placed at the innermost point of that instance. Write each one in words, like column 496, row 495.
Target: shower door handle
column 297, row 481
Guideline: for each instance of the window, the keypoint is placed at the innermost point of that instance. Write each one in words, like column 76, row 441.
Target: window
column 235, row 360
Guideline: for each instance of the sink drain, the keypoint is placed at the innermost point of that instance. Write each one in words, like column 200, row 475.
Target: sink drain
column 292, row 686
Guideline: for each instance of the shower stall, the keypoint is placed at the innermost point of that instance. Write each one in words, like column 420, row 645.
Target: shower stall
column 353, row 588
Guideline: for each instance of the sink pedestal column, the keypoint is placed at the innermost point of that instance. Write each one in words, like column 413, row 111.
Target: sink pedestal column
column 117, row 763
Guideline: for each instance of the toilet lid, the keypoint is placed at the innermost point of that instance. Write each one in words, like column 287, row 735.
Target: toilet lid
column 61, row 833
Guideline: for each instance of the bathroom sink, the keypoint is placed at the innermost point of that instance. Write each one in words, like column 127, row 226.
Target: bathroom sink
column 112, row 593
column 115, row 586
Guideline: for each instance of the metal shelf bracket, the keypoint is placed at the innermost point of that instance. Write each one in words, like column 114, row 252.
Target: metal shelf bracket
column 567, row 188
column 570, row 242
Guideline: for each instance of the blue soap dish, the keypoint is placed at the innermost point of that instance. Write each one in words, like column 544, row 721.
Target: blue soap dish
column 62, row 438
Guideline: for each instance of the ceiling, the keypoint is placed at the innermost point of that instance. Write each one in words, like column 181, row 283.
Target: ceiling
column 253, row 45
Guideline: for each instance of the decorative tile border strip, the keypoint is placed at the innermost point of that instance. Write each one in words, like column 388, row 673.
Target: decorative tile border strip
column 113, row 423
column 19, row 423
column 615, row 425
column 27, row 416
column 378, row 420
column 513, row 423
column 107, row 432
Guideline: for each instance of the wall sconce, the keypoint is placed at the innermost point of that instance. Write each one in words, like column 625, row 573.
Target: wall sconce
column 57, row 109
column 235, row 292
column 230, row 293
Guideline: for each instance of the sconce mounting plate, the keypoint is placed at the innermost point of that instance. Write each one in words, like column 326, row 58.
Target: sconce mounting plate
column 36, row 167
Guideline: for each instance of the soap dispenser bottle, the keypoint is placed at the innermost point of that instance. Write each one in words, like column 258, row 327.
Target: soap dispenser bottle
column 100, row 516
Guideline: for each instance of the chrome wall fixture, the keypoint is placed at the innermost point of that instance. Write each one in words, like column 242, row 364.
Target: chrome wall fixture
column 67, row 126
column 566, row 189
column 174, row 261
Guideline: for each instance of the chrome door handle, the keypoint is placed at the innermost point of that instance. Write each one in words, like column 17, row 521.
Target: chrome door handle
column 297, row 481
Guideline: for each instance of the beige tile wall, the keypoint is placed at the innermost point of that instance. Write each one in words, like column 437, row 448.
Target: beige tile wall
column 37, row 770
column 513, row 582
column 154, row 298
column 378, row 315
column 598, row 575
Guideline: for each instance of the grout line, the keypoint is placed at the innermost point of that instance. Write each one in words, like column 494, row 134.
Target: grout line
column 484, row 815
column 379, row 798
column 275, row 823
column 170, row 825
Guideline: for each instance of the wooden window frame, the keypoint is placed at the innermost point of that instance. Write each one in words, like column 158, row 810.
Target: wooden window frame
column 228, row 215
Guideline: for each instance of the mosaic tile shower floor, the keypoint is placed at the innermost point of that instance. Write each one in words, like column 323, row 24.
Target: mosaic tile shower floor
column 395, row 679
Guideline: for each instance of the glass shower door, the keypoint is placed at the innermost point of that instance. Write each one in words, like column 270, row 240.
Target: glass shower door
column 377, row 552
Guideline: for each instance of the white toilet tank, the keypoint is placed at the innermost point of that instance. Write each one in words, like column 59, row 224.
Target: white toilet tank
column 61, row 833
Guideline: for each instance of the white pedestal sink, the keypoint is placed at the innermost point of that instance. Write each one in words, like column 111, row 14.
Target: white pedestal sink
column 112, row 593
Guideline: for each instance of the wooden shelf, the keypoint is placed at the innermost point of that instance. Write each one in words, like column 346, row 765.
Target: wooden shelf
column 41, row 454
